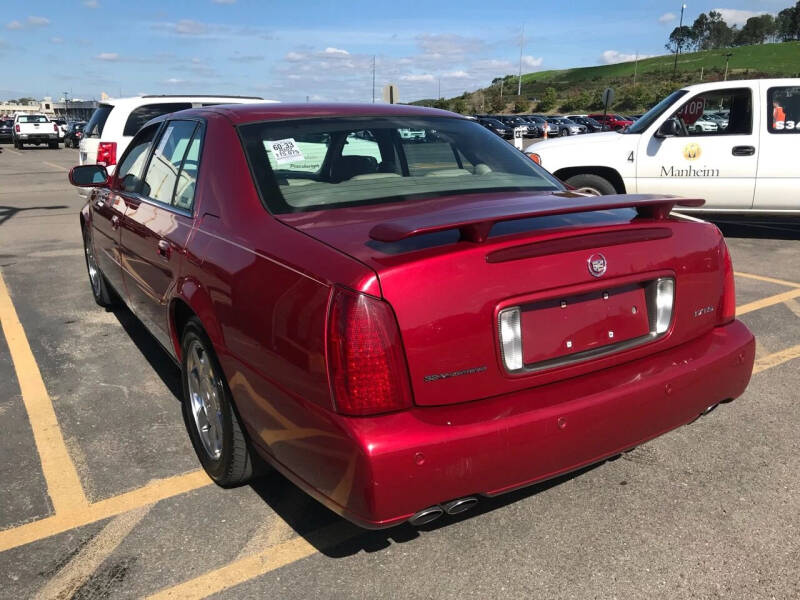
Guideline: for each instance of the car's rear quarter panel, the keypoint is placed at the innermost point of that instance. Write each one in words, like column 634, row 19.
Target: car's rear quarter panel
column 262, row 290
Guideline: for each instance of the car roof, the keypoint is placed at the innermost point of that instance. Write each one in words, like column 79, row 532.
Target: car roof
column 133, row 101
column 249, row 113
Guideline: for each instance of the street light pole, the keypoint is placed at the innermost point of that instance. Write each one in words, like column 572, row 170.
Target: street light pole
column 727, row 58
column 521, row 44
column 66, row 106
column 678, row 42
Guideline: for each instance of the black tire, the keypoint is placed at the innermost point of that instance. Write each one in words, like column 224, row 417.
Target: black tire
column 237, row 461
column 588, row 181
column 565, row 131
column 53, row 145
column 97, row 281
column 17, row 145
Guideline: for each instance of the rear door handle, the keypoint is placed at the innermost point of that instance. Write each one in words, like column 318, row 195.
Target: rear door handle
column 743, row 151
column 164, row 249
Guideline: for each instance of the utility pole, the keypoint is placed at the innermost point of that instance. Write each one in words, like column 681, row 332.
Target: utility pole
column 727, row 58
column 373, row 79
column 521, row 44
column 66, row 106
column 678, row 42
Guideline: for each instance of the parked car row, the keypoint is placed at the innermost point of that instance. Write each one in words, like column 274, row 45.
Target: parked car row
column 553, row 125
column 38, row 129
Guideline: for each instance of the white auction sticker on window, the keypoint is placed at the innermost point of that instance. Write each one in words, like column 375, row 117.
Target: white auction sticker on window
column 286, row 151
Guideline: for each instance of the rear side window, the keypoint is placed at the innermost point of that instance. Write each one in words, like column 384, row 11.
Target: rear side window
column 129, row 171
column 141, row 115
column 783, row 109
column 94, row 128
column 165, row 165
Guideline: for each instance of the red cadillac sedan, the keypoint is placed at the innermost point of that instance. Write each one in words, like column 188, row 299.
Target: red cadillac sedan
column 403, row 326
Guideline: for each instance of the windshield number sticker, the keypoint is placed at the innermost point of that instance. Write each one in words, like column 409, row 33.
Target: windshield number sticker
column 286, row 151
column 779, row 125
column 630, row 156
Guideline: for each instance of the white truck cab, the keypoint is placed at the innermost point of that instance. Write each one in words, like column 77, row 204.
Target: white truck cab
column 746, row 161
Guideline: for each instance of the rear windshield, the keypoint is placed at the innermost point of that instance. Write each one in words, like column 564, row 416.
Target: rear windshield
column 32, row 119
column 94, row 128
column 141, row 115
column 327, row 163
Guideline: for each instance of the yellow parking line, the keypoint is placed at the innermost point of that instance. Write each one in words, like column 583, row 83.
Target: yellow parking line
column 778, row 358
column 254, row 565
column 59, row 167
column 151, row 493
column 81, row 566
column 769, row 301
column 63, row 483
column 768, row 279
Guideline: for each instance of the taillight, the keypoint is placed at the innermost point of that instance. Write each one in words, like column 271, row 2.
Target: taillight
column 55, row 127
column 16, row 128
column 727, row 312
column 366, row 362
column 535, row 158
column 107, row 153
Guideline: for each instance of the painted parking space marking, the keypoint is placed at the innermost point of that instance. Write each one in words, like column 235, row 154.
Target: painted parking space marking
column 775, row 359
column 245, row 569
column 80, row 568
column 768, row 279
column 153, row 492
column 769, row 301
column 63, row 484
column 55, row 166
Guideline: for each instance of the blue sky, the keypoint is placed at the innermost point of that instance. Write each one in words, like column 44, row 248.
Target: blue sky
column 321, row 49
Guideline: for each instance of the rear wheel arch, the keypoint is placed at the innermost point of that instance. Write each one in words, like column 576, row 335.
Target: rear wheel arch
column 607, row 173
column 192, row 301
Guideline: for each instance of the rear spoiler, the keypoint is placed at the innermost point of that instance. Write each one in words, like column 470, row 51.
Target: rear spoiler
column 475, row 221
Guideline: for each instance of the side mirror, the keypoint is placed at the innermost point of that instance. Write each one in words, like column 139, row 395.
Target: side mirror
column 669, row 128
column 88, row 176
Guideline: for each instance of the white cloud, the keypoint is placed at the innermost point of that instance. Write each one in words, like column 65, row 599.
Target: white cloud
column 246, row 58
column 56, row 40
column 336, row 52
column 531, row 62
column 108, row 56
column 610, row 57
column 667, row 18
column 414, row 77
column 14, row 25
column 38, row 21
column 91, row 3
column 189, row 27
column 295, row 56
column 174, row 81
column 735, row 16
column 459, row 74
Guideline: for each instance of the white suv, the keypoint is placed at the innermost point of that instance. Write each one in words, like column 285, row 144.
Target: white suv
column 114, row 122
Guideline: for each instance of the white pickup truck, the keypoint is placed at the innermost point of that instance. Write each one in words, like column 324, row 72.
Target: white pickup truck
column 734, row 143
column 35, row 129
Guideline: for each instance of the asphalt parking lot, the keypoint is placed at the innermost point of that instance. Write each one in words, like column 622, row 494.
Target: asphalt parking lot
column 102, row 496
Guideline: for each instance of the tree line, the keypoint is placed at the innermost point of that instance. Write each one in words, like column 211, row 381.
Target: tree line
column 710, row 31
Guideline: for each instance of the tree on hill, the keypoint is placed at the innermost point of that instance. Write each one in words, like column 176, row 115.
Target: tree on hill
column 548, row 100
column 756, row 30
column 679, row 39
column 787, row 23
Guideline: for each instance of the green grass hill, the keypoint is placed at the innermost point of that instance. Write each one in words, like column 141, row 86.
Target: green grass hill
column 579, row 89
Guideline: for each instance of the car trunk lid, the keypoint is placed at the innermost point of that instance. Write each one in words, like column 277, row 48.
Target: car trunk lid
column 582, row 273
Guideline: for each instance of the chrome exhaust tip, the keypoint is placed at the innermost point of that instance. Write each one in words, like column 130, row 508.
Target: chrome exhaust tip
column 709, row 409
column 461, row 505
column 426, row 515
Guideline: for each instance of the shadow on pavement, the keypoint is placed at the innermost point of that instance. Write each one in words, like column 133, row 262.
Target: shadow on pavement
column 7, row 212
column 158, row 358
column 760, row 228
column 335, row 537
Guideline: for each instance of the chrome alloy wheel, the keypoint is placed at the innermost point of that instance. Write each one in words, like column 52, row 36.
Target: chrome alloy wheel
column 91, row 265
column 204, row 397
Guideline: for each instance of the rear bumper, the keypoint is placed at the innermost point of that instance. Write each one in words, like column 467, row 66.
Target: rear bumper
column 32, row 138
column 401, row 463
